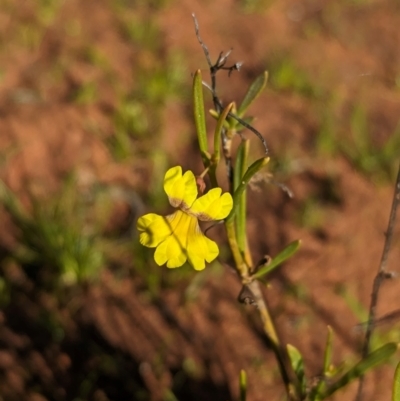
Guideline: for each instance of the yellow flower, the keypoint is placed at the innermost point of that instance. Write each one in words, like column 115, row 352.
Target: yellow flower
column 178, row 237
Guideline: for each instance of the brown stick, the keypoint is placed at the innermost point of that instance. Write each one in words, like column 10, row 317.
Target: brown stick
column 381, row 275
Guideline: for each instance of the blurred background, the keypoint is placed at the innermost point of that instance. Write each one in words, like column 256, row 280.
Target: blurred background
column 95, row 106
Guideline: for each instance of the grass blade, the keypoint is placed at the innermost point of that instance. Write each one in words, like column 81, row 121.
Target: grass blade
column 242, row 385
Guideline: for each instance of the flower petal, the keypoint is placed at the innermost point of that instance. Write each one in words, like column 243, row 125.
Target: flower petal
column 212, row 206
column 181, row 189
column 154, row 229
column 201, row 249
column 173, row 249
column 171, row 252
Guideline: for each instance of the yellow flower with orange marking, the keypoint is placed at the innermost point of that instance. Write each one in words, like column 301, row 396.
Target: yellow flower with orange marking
column 178, row 237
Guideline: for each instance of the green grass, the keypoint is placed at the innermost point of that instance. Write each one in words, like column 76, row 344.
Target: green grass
column 254, row 6
column 47, row 11
column 377, row 161
column 59, row 235
column 30, row 32
column 287, row 76
column 138, row 118
column 350, row 135
column 87, row 93
column 64, row 234
column 157, row 78
column 340, row 132
column 382, row 334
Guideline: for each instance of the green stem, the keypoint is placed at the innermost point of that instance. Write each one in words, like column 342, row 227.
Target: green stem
column 243, row 268
column 287, row 374
column 241, row 265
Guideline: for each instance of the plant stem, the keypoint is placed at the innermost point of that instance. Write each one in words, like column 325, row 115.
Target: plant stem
column 287, row 374
column 280, row 352
column 381, row 275
column 241, row 265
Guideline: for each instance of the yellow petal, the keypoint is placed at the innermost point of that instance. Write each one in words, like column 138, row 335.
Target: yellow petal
column 212, row 206
column 181, row 189
column 170, row 252
column 154, row 229
column 201, row 249
column 173, row 249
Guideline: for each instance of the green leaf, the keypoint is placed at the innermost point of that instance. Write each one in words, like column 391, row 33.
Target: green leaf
column 240, row 167
column 396, row 384
column 199, row 116
column 214, row 113
column 375, row 358
column 297, row 362
column 318, row 389
column 242, row 385
column 289, row 251
column 218, row 131
column 250, row 172
column 254, row 91
column 328, row 351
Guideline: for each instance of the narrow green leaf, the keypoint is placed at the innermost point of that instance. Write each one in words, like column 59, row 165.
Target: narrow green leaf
column 240, row 163
column 240, row 168
column 396, row 384
column 169, row 396
column 213, row 113
column 375, row 358
column 242, row 385
column 319, row 387
column 289, row 251
column 254, row 91
column 250, row 172
column 296, row 359
column 218, row 131
column 328, row 350
column 199, row 116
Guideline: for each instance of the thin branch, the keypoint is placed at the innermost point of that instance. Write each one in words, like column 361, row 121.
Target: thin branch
column 381, row 275
column 202, row 44
column 252, row 129
column 214, row 68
